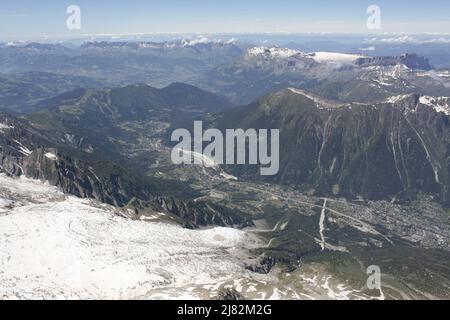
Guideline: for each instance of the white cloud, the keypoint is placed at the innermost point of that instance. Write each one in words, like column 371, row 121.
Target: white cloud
column 409, row 39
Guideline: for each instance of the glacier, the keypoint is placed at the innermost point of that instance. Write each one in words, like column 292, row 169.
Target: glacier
column 54, row 246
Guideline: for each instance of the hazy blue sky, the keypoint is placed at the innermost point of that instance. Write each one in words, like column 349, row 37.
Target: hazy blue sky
column 20, row 19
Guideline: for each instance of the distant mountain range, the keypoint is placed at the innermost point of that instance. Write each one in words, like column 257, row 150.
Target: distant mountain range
column 341, row 77
column 239, row 71
column 120, row 63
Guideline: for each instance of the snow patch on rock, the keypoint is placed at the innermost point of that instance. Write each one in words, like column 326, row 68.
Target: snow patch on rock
column 274, row 52
column 440, row 104
column 51, row 156
column 4, row 126
column 395, row 99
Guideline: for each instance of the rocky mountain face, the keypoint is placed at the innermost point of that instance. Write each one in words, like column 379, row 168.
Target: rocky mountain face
column 26, row 151
column 412, row 61
column 388, row 150
column 229, row 294
column 197, row 214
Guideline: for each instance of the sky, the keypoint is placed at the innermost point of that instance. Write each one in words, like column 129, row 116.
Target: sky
column 26, row 20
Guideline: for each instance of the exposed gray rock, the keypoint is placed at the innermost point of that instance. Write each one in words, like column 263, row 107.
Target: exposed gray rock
column 412, row 61
column 197, row 214
column 229, row 294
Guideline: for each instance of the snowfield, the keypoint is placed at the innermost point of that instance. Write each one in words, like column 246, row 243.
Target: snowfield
column 54, row 246
column 335, row 57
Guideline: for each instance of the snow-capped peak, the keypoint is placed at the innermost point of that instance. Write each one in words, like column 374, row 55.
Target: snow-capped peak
column 319, row 57
column 273, row 52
